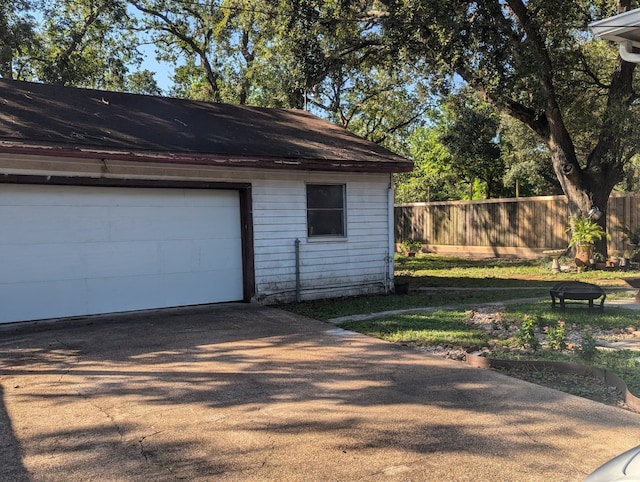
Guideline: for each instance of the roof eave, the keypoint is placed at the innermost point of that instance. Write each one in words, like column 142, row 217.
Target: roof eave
column 615, row 28
column 203, row 159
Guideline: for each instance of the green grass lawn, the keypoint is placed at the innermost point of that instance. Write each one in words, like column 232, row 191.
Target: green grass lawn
column 336, row 308
column 423, row 329
column 432, row 270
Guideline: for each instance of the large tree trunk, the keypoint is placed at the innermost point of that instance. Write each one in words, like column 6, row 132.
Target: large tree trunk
column 590, row 183
column 587, row 187
column 581, row 198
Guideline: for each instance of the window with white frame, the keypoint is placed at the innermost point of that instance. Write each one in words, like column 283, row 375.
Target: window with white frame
column 326, row 215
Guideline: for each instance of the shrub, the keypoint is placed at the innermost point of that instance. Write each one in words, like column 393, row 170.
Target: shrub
column 410, row 246
column 584, row 231
column 526, row 334
column 587, row 350
column 556, row 335
column 631, row 234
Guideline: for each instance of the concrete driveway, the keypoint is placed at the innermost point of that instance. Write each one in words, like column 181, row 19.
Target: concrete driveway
column 243, row 392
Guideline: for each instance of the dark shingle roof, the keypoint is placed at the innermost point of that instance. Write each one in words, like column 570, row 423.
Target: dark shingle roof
column 66, row 121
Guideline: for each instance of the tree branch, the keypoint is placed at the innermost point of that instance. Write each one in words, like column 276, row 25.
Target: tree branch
column 172, row 28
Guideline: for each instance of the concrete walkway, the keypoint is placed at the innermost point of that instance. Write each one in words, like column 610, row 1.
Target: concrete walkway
column 243, row 392
column 627, row 303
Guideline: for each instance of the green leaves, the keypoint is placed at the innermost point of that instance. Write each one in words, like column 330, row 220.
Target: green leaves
column 86, row 44
column 376, row 68
column 17, row 36
column 433, row 178
column 584, row 231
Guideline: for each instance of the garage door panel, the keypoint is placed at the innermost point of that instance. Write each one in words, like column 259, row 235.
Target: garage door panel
column 203, row 200
column 216, row 254
column 74, row 250
column 174, row 256
column 146, row 223
column 53, row 224
column 138, row 292
column 108, row 260
column 225, row 218
column 36, row 263
column 126, row 197
column 38, row 300
column 132, row 293
column 34, row 195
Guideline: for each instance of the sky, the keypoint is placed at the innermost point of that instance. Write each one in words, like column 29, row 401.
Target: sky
column 163, row 71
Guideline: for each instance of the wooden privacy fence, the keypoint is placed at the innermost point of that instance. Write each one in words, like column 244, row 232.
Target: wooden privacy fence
column 504, row 227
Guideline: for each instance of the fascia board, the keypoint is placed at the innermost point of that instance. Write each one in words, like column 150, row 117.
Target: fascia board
column 614, row 28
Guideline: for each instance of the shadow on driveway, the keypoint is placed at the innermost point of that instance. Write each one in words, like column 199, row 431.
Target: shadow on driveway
column 244, row 392
column 10, row 449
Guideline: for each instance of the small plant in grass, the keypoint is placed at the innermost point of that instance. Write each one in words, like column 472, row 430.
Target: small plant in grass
column 526, row 335
column 448, row 328
column 411, row 246
column 625, row 364
column 587, row 349
column 556, row 335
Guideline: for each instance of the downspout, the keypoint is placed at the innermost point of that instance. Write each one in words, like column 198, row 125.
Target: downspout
column 627, row 54
column 297, row 249
column 391, row 247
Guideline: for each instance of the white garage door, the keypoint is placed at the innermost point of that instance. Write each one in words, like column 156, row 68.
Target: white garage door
column 75, row 250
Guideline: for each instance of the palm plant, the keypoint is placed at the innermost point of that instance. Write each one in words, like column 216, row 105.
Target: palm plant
column 584, row 234
column 584, row 231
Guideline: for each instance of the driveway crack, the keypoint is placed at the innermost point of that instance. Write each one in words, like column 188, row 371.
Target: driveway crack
column 144, row 451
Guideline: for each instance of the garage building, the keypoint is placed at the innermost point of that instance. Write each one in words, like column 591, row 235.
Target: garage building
column 114, row 202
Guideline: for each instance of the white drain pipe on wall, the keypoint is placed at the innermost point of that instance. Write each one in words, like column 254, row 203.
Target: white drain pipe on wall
column 391, row 248
column 298, row 295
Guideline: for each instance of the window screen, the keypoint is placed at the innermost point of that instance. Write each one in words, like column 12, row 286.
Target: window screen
column 325, row 210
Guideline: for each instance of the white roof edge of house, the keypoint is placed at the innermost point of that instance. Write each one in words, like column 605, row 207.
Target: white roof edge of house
column 617, row 24
column 614, row 29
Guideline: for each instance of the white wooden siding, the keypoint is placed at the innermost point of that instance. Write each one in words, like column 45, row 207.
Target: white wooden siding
column 355, row 264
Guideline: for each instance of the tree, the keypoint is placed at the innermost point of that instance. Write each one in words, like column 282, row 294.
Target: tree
column 469, row 151
column 528, row 167
column 533, row 60
column 17, row 36
column 472, row 139
column 353, row 97
column 433, row 178
column 263, row 53
column 142, row 82
column 86, row 44
column 225, row 48
column 90, row 43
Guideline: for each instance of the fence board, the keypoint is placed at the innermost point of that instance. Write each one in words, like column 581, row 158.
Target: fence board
column 516, row 225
